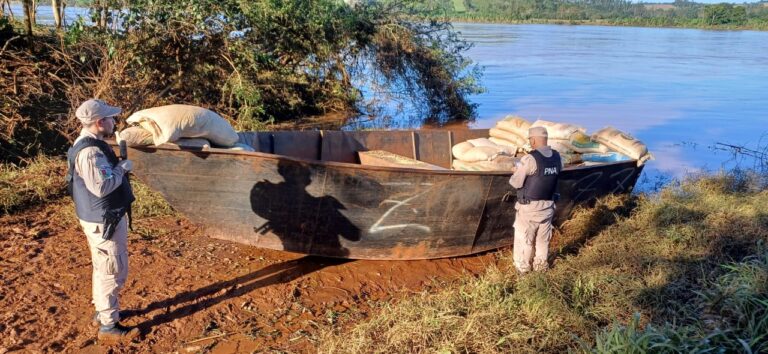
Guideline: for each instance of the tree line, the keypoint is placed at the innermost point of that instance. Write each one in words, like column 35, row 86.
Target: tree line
column 252, row 62
column 677, row 13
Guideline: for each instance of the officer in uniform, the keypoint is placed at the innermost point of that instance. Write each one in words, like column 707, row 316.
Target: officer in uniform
column 535, row 179
column 98, row 183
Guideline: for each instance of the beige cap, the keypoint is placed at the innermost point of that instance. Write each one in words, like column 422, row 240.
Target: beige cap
column 537, row 131
column 92, row 110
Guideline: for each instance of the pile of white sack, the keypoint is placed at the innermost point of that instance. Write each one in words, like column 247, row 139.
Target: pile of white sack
column 483, row 155
column 509, row 138
column 182, row 125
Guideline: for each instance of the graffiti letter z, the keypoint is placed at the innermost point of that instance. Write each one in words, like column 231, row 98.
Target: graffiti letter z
column 376, row 228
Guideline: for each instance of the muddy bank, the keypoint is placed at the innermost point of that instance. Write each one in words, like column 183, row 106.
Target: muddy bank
column 184, row 287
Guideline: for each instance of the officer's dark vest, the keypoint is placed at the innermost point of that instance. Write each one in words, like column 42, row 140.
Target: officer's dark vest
column 543, row 184
column 88, row 206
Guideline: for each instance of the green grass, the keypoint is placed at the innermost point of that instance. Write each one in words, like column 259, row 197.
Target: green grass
column 683, row 270
column 733, row 318
column 459, row 7
column 148, row 203
column 41, row 180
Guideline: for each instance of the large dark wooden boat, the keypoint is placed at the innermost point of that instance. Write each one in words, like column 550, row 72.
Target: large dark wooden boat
column 306, row 192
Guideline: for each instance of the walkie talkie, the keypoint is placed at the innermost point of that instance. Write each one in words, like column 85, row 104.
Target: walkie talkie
column 123, row 147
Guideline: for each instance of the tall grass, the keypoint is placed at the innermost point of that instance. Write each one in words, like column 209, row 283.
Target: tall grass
column 646, row 280
column 148, row 203
column 733, row 318
column 42, row 179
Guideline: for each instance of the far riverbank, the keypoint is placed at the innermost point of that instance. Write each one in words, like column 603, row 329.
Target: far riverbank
column 45, row 17
column 630, row 22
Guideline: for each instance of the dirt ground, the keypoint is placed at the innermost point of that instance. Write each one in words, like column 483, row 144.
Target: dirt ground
column 189, row 293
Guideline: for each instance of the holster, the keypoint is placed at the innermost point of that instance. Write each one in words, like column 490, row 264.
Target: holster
column 111, row 220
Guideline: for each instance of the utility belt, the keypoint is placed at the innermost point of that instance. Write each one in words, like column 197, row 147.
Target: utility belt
column 525, row 201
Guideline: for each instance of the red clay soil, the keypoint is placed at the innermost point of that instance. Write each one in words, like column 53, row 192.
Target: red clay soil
column 187, row 292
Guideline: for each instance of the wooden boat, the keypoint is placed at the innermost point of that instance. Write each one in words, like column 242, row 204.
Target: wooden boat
column 305, row 192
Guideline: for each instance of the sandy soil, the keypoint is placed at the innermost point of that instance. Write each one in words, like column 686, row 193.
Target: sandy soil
column 189, row 293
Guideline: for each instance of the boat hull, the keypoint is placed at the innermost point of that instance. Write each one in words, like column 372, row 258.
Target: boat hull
column 345, row 210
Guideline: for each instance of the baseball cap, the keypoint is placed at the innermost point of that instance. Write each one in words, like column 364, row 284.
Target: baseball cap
column 92, row 110
column 537, row 131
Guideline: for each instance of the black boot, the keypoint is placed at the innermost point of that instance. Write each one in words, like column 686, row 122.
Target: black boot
column 117, row 333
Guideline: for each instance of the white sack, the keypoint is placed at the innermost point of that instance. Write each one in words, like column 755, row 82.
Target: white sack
column 515, row 125
column 172, row 122
column 242, row 147
column 501, row 163
column 509, row 136
column 561, row 146
column 583, row 143
column 460, row 149
column 618, row 141
column 136, row 136
column 192, row 143
column 505, row 143
column 480, row 149
column 560, row 131
column 482, row 142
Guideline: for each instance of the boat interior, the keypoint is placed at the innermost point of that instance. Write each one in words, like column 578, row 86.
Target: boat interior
column 429, row 146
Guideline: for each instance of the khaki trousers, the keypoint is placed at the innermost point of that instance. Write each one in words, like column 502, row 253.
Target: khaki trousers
column 110, row 268
column 533, row 230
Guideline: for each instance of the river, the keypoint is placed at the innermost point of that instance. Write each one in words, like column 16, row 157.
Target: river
column 45, row 14
column 681, row 91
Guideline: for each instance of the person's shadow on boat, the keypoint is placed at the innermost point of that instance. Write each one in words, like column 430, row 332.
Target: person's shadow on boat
column 303, row 223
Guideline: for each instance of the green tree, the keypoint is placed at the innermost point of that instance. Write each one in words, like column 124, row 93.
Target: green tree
column 724, row 14
column 279, row 59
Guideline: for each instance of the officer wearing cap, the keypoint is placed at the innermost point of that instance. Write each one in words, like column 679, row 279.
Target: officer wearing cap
column 535, row 179
column 98, row 183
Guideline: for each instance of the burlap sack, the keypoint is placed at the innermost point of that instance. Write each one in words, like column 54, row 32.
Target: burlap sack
column 484, row 153
column 501, row 163
column 571, row 158
column 191, row 143
column 172, row 122
column 516, row 125
column 618, row 141
column 583, row 143
column 480, row 149
column 505, row 143
column 242, row 147
column 460, row 149
column 482, row 142
column 515, row 139
column 561, row 146
column 558, row 131
column 136, row 136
